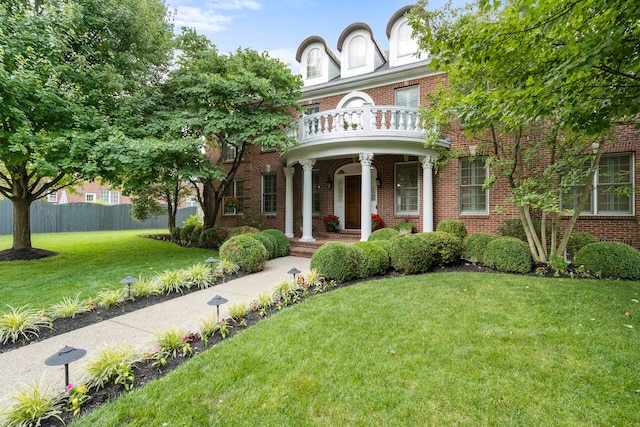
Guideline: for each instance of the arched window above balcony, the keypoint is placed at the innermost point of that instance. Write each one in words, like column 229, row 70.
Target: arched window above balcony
column 318, row 63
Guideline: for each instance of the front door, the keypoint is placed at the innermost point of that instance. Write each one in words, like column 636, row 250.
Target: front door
column 353, row 187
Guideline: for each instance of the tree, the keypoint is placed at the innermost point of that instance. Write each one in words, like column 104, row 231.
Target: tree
column 540, row 87
column 231, row 101
column 65, row 67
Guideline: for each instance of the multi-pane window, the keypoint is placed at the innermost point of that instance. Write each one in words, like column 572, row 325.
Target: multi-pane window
column 406, row 43
column 315, row 195
column 89, row 197
column 473, row 198
column 611, row 189
column 110, row 197
column 357, row 52
column 314, row 63
column 191, row 202
column 52, row 197
column 230, row 151
column 407, row 97
column 406, row 197
column 235, row 188
column 269, row 193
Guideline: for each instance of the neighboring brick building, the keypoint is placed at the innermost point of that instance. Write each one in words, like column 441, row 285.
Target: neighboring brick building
column 361, row 151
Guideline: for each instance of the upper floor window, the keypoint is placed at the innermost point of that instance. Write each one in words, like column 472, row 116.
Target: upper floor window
column 191, row 202
column 235, row 189
column 357, row 52
column 473, row 197
column 269, row 193
column 407, row 97
column 230, row 151
column 52, row 197
column 110, row 197
column 406, row 43
column 406, row 197
column 90, row 197
column 314, row 63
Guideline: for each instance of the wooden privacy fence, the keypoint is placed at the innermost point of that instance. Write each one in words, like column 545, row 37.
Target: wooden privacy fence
column 47, row 218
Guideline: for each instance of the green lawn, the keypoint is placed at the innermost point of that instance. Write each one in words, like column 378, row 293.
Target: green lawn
column 88, row 262
column 449, row 349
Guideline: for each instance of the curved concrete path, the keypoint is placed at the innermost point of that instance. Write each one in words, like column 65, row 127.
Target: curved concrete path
column 25, row 366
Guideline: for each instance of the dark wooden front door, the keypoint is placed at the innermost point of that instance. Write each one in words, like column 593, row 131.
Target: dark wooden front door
column 353, row 187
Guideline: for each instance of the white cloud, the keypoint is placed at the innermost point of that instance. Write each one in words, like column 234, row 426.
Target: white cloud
column 288, row 57
column 205, row 21
column 236, row 5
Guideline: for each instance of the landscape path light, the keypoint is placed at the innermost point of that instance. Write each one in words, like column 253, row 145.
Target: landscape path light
column 211, row 260
column 128, row 281
column 65, row 356
column 217, row 301
column 294, row 271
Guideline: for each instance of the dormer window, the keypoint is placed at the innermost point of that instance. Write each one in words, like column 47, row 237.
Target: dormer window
column 314, row 63
column 403, row 47
column 357, row 52
column 406, row 43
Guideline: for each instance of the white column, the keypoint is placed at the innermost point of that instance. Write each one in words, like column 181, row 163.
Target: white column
column 288, row 216
column 427, row 193
column 365, row 203
column 307, row 200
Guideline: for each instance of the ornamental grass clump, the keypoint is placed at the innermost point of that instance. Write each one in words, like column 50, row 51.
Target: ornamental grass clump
column 174, row 341
column 109, row 297
column 335, row 260
column 245, row 251
column 31, row 405
column 67, row 308
column 614, row 260
column 411, row 254
column 473, row 246
column 508, row 254
column 112, row 363
column 172, row 281
column 238, row 310
column 21, row 323
column 146, row 287
column 198, row 275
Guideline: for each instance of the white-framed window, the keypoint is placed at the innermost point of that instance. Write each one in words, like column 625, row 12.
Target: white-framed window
column 269, row 193
column 357, row 52
column 230, row 151
column 406, row 193
column 407, row 97
column 235, row 189
column 473, row 199
column 90, row 197
column 611, row 190
column 110, row 197
column 52, row 197
column 191, row 202
column 314, row 63
column 407, row 45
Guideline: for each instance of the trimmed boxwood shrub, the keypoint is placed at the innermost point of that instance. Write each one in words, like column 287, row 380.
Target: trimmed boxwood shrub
column 507, row 254
column 185, row 234
column 453, row 226
column 445, row 247
column 473, row 246
column 245, row 251
column 411, row 254
column 268, row 241
column 335, row 260
column 243, row 229
column 377, row 259
column 175, row 235
column 195, row 235
column 578, row 241
column 212, row 238
column 283, row 246
column 383, row 234
column 612, row 259
column 384, row 244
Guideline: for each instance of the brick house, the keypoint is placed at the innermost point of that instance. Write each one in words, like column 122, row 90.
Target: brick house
column 361, row 151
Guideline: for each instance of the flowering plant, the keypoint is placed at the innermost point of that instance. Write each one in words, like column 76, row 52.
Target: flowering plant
column 231, row 202
column 77, row 395
column 376, row 222
column 331, row 221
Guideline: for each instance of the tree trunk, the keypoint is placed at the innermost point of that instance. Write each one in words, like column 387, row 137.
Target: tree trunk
column 21, row 223
column 209, row 205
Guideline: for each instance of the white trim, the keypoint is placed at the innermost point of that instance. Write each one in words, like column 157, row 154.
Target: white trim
column 355, row 94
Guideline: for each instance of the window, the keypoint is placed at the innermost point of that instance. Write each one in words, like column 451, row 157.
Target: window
column 90, row 197
column 610, row 193
column 407, row 188
column 406, row 43
column 357, row 52
column 315, row 195
column 473, row 198
column 235, row 189
column 230, row 151
column 110, row 197
column 52, row 197
column 269, row 193
column 314, row 63
column 191, row 202
column 407, row 97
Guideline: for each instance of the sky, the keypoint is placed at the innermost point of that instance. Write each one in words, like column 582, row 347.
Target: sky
column 279, row 26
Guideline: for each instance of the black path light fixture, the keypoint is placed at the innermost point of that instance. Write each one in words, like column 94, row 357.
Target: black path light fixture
column 128, row 281
column 65, row 356
column 294, row 271
column 211, row 260
column 218, row 301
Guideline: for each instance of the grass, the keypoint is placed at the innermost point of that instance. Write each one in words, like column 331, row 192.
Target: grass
column 450, row 349
column 87, row 263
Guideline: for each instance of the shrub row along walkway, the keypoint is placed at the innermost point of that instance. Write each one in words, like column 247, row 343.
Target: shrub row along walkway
column 26, row 364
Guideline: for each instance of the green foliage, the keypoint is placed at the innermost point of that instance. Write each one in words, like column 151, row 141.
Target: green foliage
column 189, row 234
column 446, row 248
column 31, row 406
column 283, row 245
column 610, row 259
column 109, row 363
column 473, row 246
column 268, row 241
column 67, row 308
column 176, row 235
column 238, row 310
column 207, row 326
column 145, row 287
column 254, row 218
column 507, row 254
column 109, row 297
column 453, row 226
column 384, row 244
column 243, row 229
column 173, row 341
column 194, row 220
column 383, row 234
column 171, row 281
column 577, row 241
column 411, row 254
column 212, row 238
column 144, row 206
column 198, row 275
column 335, row 260
column 405, row 226
column 21, row 322
column 245, row 251
column 376, row 259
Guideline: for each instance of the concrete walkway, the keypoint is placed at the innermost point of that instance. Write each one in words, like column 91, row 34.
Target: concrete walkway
column 25, row 366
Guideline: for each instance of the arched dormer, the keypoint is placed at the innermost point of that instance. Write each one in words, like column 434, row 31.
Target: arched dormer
column 403, row 48
column 318, row 63
column 359, row 50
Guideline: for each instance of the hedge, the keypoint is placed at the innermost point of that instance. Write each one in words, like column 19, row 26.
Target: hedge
column 615, row 260
column 335, row 260
column 507, row 254
column 245, row 251
column 283, row 246
column 453, row 226
column 383, row 234
column 376, row 259
column 446, row 247
column 411, row 254
column 473, row 246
